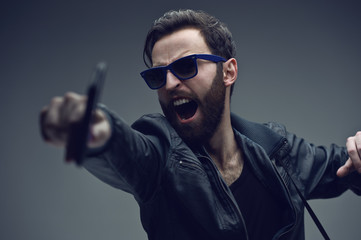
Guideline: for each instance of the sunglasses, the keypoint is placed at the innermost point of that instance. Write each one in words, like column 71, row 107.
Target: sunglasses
column 183, row 68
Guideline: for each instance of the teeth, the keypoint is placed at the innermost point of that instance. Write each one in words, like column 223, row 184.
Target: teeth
column 179, row 102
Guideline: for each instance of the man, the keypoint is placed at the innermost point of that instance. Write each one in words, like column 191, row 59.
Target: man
column 201, row 172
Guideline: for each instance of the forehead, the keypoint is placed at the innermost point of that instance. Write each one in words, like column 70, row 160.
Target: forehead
column 178, row 44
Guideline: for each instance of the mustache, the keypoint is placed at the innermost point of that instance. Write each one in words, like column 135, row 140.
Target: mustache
column 181, row 93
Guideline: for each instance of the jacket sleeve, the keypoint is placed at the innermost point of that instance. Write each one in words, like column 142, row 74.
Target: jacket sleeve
column 315, row 167
column 134, row 157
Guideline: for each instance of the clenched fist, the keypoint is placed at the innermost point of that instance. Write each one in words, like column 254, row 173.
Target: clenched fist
column 59, row 119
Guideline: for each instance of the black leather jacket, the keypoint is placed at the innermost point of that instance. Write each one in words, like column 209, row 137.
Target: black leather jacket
column 181, row 193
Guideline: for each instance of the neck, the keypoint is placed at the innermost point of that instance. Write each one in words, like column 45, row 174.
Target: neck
column 222, row 147
column 225, row 152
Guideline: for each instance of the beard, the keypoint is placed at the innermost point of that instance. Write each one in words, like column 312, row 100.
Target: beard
column 211, row 108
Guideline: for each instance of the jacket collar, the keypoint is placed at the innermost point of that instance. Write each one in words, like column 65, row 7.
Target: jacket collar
column 268, row 139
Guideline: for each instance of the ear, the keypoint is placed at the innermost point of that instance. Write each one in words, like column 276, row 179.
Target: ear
column 230, row 72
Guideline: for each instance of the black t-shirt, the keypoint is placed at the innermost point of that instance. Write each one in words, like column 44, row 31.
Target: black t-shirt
column 260, row 209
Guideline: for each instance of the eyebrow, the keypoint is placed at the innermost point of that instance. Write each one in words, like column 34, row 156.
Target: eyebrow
column 159, row 65
column 178, row 57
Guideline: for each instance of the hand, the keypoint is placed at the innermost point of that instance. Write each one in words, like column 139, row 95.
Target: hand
column 63, row 114
column 352, row 164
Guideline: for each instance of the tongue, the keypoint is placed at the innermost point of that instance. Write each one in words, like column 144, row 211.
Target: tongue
column 186, row 110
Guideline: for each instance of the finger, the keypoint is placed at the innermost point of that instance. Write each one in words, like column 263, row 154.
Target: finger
column 358, row 143
column 52, row 117
column 346, row 169
column 353, row 151
column 51, row 124
column 100, row 131
column 98, row 116
column 73, row 108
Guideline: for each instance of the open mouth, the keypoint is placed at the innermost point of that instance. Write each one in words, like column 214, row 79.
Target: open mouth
column 185, row 108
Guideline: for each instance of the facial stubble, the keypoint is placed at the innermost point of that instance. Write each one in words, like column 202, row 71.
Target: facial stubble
column 212, row 110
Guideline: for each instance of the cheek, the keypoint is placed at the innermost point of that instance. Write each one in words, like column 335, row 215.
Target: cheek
column 207, row 72
column 204, row 79
column 161, row 95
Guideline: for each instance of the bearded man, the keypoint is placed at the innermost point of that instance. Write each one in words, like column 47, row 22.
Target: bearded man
column 199, row 171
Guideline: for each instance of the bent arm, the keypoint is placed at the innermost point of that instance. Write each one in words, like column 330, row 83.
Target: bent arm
column 315, row 167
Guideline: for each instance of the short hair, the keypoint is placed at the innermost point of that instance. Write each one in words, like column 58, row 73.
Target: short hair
column 216, row 34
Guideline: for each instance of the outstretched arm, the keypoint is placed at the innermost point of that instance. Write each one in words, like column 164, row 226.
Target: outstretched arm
column 127, row 158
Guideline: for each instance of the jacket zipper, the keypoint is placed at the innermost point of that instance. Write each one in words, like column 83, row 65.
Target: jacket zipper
column 220, row 184
column 278, row 235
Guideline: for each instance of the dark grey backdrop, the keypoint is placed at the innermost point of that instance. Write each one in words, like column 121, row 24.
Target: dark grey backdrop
column 299, row 64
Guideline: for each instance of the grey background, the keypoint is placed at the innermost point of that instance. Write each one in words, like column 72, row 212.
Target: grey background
column 299, row 64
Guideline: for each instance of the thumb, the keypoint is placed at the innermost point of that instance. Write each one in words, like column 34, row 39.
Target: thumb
column 100, row 133
column 100, row 129
column 346, row 169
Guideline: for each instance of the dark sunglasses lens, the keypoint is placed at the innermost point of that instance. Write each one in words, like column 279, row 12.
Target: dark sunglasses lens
column 185, row 68
column 154, row 78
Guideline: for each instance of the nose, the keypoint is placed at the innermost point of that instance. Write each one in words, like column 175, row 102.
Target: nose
column 172, row 81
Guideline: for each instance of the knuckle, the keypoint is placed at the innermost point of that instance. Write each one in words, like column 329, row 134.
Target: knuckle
column 349, row 139
column 51, row 125
column 73, row 98
column 351, row 151
column 358, row 148
column 55, row 100
column 50, row 132
column 69, row 96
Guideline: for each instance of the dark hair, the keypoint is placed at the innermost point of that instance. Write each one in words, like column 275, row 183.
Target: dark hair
column 216, row 34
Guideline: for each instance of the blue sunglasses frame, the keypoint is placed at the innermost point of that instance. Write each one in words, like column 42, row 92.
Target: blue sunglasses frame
column 161, row 72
